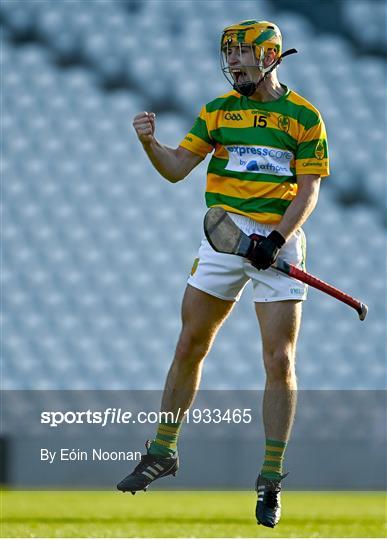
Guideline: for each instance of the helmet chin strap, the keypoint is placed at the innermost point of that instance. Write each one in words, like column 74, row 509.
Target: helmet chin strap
column 248, row 88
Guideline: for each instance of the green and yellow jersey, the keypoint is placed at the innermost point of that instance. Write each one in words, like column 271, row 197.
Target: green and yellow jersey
column 260, row 148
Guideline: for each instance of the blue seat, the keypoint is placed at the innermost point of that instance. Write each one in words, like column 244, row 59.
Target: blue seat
column 99, row 246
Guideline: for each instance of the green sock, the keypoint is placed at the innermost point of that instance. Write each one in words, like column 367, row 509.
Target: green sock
column 274, row 456
column 165, row 443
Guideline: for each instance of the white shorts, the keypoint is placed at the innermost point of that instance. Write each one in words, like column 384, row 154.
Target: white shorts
column 225, row 276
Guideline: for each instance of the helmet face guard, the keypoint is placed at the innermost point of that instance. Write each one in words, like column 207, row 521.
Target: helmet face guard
column 251, row 40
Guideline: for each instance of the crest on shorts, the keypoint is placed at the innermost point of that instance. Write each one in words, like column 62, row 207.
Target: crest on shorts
column 284, row 123
column 194, row 266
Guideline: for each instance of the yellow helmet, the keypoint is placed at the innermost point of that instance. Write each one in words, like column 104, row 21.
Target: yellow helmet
column 260, row 37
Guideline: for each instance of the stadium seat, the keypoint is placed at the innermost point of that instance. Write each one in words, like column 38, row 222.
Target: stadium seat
column 98, row 246
column 366, row 24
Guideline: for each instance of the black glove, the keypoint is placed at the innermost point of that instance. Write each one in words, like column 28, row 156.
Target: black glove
column 265, row 251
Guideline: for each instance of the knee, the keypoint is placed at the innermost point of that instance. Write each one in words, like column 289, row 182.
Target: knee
column 192, row 347
column 280, row 365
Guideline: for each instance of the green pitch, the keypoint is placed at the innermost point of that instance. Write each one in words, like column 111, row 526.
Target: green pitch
column 188, row 514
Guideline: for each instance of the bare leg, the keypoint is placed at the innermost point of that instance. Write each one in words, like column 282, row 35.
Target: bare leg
column 202, row 316
column 279, row 323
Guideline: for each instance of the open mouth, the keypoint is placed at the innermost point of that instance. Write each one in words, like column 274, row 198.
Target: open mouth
column 239, row 75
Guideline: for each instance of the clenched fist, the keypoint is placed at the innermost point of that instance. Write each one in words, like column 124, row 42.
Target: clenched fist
column 144, row 124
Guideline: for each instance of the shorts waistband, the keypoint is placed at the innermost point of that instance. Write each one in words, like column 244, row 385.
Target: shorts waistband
column 250, row 226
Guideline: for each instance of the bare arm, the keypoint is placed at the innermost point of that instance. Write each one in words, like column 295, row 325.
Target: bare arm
column 302, row 205
column 172, row 163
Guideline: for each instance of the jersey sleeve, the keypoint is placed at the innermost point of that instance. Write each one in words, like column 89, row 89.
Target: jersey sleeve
column 312, row 150
column 198, row 139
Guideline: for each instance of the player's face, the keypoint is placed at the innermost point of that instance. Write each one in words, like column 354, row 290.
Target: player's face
column 242, row 63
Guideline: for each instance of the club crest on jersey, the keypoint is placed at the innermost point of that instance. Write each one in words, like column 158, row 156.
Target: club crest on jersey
column 233, row 116
column 319, row 150
column 284, row 123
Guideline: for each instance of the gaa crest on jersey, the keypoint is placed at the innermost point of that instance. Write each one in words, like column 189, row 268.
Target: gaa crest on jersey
column 284, row 123
column 233, row 116
column 319, row 151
